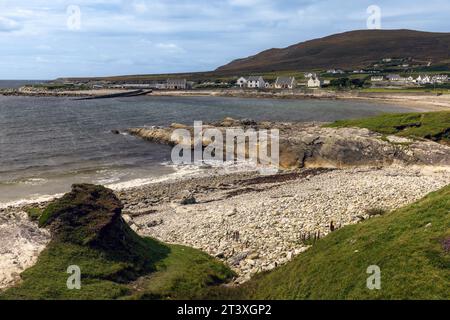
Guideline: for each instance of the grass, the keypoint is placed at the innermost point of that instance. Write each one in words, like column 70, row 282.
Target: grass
column 430, row 125
column 410, row 245
column 179, row 272
column 115, row 262
column 406, row 90
column 33, row 213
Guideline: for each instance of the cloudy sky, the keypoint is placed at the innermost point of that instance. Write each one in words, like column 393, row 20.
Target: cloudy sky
column 54, row 38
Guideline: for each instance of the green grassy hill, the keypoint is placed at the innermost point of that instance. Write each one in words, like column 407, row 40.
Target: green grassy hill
column 116, row 263
column 410, row 245
column 429, row 125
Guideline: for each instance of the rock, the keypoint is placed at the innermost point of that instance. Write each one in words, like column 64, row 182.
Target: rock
column 248, row 122
column 188, row 200
column 155, row 223
column 235, row 260
column 115, row 131
column 82, row 215
column 220, row 255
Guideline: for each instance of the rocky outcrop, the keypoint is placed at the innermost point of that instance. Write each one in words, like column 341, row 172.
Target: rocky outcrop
column 312, row 145
column 21, row 242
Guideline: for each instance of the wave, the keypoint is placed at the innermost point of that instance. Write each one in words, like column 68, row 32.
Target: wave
column 31, row 200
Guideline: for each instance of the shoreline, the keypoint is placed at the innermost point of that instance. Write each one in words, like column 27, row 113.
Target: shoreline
column 425, row 101
column 228, row 220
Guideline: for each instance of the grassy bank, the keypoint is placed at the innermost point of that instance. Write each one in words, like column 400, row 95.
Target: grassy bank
column 429, row 125
column 115, row 263
column 411, row 247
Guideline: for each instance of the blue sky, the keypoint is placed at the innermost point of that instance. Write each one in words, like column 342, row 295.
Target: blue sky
column 155, row 36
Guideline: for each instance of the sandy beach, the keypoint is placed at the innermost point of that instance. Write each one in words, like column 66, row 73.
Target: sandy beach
column 425, row 101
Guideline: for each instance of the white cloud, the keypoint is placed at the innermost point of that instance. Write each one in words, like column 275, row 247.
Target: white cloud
column 8, row 25
column 138, row 36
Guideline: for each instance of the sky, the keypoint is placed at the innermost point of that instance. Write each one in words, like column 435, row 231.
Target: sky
column 68, row 38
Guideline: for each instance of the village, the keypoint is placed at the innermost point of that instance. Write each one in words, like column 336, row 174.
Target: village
column 331, row 79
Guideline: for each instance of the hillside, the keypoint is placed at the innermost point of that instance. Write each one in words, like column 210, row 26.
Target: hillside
column 411, row 246
column 115, row 263
column 349, row 50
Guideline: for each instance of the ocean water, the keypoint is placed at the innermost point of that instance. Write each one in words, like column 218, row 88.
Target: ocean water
column 15, row 84
column 48, row 143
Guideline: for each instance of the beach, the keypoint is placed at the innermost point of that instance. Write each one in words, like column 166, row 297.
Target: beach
column 251, row 222
column 416, row 101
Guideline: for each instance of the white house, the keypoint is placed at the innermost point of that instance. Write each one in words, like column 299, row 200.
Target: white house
column 241, row 82
column 256, row 82
column 439, row 78
column 314, row 82
column 394, row 77
column 176, row 84
column 377, row 78
column 285, row 83
column 423, row 79
column 334, row 71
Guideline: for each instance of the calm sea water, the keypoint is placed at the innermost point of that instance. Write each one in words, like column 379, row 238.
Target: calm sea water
column 15, row 84
column 46, row 144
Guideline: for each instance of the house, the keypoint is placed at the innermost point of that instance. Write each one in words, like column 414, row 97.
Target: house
column 241, row 82
column 256, row 82
column 377, row 78
column 439, row 79
column 314, row 82
column 334, row 71
column 423, row 79
column 309, row 75
column 175, row 84
column 285, row 83
column 394, row 77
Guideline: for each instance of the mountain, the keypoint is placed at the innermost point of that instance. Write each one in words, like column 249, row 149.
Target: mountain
column 350, row 50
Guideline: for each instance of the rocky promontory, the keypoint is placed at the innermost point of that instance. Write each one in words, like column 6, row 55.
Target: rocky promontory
column 313, row 145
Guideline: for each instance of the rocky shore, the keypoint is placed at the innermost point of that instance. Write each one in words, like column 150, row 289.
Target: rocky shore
column 255, row 223
column 416, row 101
column 334, row 177
column 313, row 145
column 251, row 222
column 21, row 242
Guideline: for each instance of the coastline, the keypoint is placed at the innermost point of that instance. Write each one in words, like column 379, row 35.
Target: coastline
column 227, row 218
column 425, row 101
column 224, row 215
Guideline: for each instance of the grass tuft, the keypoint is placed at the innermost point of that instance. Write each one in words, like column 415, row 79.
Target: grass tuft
column 429, row 125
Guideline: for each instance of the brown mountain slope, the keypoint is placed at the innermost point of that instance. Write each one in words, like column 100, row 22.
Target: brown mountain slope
column 354, row 49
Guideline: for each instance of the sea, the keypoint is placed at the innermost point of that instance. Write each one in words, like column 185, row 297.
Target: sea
column 49, row 143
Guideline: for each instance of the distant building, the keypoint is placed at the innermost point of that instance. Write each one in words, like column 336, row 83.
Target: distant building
column 314, row 82
column 439, row 79
column 256, row 82
column 241, row 82
column 309, row 75
column 176, row 84
column 285, row 83
column 394, row 77
column 377, row 79
column 423, row 79
column 334, row 71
